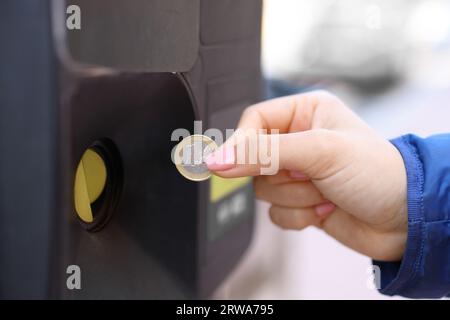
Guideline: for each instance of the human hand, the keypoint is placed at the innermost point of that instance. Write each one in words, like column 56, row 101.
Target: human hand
column 335, row 173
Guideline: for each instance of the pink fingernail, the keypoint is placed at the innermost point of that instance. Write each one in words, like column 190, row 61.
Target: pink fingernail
column 221, row 159
column 298, row 175
column 324, row 209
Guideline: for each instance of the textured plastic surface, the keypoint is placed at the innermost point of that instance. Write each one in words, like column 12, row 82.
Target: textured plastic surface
column 139, row 35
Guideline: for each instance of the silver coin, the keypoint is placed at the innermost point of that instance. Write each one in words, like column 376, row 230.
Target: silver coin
column 190, row 155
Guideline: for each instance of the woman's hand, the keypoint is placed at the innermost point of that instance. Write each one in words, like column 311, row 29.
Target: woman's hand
column 335, row 173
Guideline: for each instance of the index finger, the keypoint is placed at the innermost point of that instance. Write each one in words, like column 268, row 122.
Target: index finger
column 287, row 114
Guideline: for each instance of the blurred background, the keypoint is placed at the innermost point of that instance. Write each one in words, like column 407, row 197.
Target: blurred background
column 389, row 60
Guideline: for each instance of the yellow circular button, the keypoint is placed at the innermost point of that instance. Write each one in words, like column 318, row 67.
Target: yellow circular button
column 90, row 181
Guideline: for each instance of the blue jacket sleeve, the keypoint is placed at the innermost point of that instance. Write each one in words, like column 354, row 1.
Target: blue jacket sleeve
column 424, row 271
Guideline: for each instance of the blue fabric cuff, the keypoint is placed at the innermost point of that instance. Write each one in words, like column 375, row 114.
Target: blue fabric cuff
column 397, row 277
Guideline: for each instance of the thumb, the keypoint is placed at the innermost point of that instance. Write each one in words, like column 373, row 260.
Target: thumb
column 312, row 152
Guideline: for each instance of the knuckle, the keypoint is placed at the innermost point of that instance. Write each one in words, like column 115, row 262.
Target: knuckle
column 283, row 227
column 298, row 220
column 300, row 227
column 273, row 216
column 328, row 99
column 325, row 95
column 250, row 111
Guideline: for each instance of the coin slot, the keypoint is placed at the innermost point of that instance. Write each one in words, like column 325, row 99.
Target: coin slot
column 97, row 186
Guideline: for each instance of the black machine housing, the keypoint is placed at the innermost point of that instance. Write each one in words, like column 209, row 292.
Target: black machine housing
column 133, row 73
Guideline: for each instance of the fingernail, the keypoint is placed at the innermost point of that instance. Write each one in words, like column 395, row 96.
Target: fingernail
column 324, row 209
column 298, row 175
column 222, row 159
